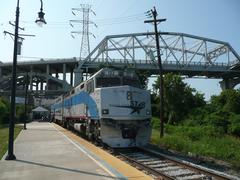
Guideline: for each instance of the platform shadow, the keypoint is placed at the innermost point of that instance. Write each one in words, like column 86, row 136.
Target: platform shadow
column 68, row 169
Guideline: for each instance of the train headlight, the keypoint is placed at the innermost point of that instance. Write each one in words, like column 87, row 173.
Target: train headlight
column 129, row 95
column 105, row 111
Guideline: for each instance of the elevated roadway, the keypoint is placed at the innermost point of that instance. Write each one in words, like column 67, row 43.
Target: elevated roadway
column 188, row 55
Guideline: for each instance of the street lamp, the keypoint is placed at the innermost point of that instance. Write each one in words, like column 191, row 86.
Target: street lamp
column 40, row 21
column 11, row 155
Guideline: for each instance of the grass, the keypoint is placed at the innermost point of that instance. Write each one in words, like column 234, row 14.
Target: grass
column 4, row 138
column 200, row 141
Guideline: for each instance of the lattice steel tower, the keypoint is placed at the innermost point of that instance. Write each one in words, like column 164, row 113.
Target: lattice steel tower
column 86, row 10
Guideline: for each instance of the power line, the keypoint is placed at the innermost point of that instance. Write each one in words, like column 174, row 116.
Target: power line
column 103, row 20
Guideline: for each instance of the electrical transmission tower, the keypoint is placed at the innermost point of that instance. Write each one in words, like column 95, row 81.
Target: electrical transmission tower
column 86, row 10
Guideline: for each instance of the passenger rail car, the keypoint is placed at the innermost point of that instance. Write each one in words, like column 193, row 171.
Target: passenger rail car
column 109, row 107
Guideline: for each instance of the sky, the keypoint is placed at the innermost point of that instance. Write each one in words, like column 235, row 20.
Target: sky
column 216, row 19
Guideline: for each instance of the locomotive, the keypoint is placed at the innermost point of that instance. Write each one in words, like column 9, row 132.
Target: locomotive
column 110, row 107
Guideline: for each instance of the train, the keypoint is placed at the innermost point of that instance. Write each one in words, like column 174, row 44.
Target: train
column 109, row 107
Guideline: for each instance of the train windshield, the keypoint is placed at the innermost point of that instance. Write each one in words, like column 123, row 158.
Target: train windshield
column 117, row 81
column 108, row 81
column 131, row 82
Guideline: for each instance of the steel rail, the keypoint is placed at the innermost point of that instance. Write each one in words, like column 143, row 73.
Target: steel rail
column 156, row 173
column 162, row 175
column 186, row 165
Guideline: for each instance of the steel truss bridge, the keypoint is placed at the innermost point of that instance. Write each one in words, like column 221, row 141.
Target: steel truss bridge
column 181, row 53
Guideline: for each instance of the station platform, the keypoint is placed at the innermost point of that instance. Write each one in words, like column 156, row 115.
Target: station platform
column 46, row 151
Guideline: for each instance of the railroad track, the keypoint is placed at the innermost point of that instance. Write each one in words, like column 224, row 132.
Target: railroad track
column 165, row 167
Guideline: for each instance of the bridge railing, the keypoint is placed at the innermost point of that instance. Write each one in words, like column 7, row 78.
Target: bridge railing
column 150, row 62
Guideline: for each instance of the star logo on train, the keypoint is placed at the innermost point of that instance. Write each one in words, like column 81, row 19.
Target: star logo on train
column 134, row 106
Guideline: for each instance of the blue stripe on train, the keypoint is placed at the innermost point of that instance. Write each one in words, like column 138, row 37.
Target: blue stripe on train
column 83, row 98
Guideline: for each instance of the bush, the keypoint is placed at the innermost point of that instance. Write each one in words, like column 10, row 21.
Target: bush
column 194, row 133
column 20, row 113
column 155, row 123
column 234, row 127
column 4, row 111
column 211, row 131
column 200, row 140
column 218, row 120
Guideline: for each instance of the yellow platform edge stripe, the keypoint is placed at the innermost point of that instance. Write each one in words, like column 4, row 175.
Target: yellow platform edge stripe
column 122, row 167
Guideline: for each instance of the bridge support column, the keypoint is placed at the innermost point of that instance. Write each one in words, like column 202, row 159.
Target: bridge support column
column 37, row 86
column 0, row 73
column 78, row 76
column 71, row 77
column 227, row 83
column 41, row 86
column 64, row 72
column 31, row 78
column 47, row 79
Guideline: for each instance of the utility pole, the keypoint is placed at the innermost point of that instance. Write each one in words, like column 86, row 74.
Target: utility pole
column 85, row 45
column 156, row 21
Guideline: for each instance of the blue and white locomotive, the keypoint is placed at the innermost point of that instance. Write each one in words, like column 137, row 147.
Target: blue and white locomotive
column 110, row 107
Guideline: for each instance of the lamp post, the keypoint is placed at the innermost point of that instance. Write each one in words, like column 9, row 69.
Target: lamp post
column 41, row 20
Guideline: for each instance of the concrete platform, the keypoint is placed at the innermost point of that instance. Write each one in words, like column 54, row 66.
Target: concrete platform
column 46, row 152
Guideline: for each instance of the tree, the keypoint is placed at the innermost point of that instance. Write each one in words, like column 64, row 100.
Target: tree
column 179, row 98
column 228, row 100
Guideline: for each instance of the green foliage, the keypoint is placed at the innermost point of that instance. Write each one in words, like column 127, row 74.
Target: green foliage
column 179, row 98
column 20, row 113
column 234, row 127
column 219, row 120
column 200, row 140
column 222, row 113
column 228, row 100
column 211, row 129
column 155, row 123
column 4, row 111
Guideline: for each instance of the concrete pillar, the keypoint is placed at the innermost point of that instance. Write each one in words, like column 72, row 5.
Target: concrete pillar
column 41, row 86
column 37, row 83
column 227, row 83
column 64, row 72
column 31, row 78
column 47, row 72
column 0, row 72
column 78, row 76
column 71, row 77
